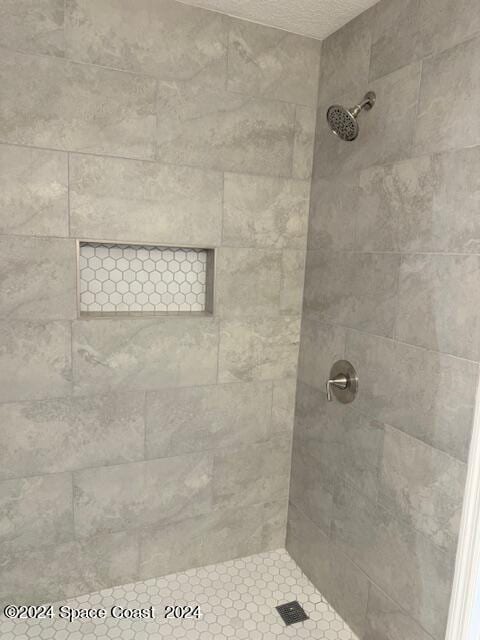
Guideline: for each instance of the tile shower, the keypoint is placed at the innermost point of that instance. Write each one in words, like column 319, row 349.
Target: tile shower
column 141, row 444
column 377, row 486
column 137, row 444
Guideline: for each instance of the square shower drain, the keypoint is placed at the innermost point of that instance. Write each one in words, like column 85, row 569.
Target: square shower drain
column 292, row 612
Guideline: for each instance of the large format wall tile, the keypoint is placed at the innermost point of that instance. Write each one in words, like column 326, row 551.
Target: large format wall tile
column 210, row 417
column 258, row 349
column 429, row 203
column 170, row 204
column 283, row 406
column 35, row 360
column 132, row 496
column 317, row 432
column 248, row 282
column 340, row 581
column 311, row 490
column 333, row 213
column 48, row 574
column 269, row 62
column 36, row 511
column 71, row 433
column 37, row 278
column 396, row 36
column 202, row 124
column 33, row 25
column 447, row 114
column 321, row 345
column 386, row 620
column 344, row 63
column 394, row 209
column 252, row 475
column 162, row 38
column 429, row 395
column 405, row 564
column 343, row 443
column 140, row 353
column 413, row 29
column 259, row 282
column 445, row 23
column 292, row 279
column 389, row 199
column 214, row 537
column 438, row 302
column 456, row 197
column 33, row 192
column 53, row 103
column 274, row 530
column 352, row 289
column 423, row 485
column 358, row 457
column 386, row 132
column 304, row 142
column 261, row 211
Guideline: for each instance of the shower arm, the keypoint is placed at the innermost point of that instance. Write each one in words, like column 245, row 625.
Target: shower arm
column 367, row 103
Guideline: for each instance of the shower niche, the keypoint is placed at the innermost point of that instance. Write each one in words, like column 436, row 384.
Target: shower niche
column 143, row 279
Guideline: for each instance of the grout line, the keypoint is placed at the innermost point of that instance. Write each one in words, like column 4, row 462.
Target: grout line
column 246, row 245
column 427, row 57
column 219, row 335
column 74, row 524
column 396, row 302
column 155, row 142
column 278, row 176
column 417, row 110
column 422, row 443
column 391, row 426
column 222, row 234
column 210, row 452
column 272, row 391
column 227, row 26
column 66, row 61
column 310, row 311
column 294, row 141
column 152, row 76
column 144, row 417
column 72, row 354
column 390, row 253
column 161, row 244
column 69, row 235
column 197, row 167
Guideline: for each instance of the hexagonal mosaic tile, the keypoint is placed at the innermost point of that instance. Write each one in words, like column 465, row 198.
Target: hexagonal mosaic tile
column 126, row 278
column 236, row 600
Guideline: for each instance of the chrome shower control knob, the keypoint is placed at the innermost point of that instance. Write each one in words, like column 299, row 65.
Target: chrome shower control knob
column 342, row 382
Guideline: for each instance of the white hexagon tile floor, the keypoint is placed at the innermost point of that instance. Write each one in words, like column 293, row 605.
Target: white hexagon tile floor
column 237, row 600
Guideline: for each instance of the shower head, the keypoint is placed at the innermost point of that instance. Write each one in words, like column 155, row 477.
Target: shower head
column 343, row 122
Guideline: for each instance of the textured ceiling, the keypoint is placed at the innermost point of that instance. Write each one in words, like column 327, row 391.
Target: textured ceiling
column 315, row 18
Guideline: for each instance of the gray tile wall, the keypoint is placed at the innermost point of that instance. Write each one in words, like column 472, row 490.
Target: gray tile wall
column 392, row 284
column 137, row 447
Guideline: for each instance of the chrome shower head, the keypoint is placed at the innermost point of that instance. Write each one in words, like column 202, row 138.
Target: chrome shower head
column 343, row 122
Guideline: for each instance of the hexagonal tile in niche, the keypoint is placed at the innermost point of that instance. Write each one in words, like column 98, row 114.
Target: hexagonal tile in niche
column 112, row 273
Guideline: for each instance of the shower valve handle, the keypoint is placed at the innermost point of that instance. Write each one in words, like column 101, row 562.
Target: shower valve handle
column 340, row 381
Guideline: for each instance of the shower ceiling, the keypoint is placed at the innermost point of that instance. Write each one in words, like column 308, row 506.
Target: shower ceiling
column 315, row 18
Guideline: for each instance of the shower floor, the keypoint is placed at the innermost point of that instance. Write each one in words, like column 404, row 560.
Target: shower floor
column 236, row 599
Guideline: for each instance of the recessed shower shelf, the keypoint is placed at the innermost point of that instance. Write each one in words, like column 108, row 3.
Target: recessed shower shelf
column 144, row 280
